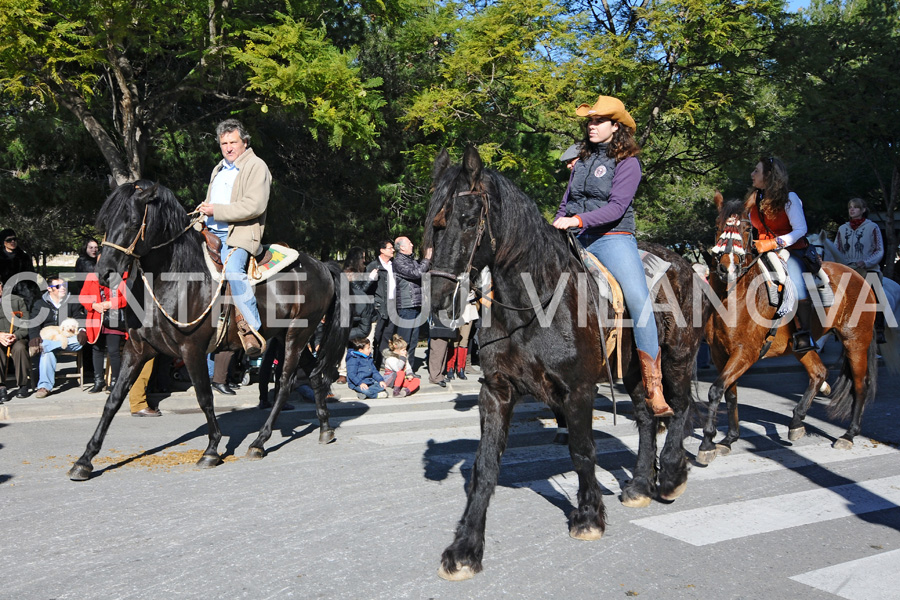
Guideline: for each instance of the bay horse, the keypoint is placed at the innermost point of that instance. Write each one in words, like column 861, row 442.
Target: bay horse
column 477, row 218
column 148, row 233
column 736, row 344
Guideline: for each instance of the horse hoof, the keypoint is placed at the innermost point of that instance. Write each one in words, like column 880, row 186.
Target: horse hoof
column 208, row 462
column 825, row 389
column 80, row 472
column 254, row 453
column 461, row 573
column 327, row 436
column 842, row 444
column 704, row 457
column 638, row 502
column 678, row 491
column 562, row 439
column 588, row 534
column 723, row 450
column 796, row 433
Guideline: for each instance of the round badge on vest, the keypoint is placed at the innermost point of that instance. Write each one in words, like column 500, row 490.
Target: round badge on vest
column 600, row 171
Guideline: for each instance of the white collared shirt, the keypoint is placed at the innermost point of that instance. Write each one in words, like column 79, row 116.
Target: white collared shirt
column 220, row 192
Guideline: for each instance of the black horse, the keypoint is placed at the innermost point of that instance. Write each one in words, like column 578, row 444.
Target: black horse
column 478, row 218
column 147, row 232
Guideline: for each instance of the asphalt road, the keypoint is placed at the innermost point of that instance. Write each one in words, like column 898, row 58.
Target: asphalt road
column 368, row 516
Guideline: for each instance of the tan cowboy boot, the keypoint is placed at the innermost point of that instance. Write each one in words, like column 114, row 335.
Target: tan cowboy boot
column 651, row 373
column 254, row 344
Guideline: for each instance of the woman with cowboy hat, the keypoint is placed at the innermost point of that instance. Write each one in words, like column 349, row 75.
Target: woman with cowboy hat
column 599, row 203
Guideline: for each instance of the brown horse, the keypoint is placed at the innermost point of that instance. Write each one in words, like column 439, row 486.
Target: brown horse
column 738, row 337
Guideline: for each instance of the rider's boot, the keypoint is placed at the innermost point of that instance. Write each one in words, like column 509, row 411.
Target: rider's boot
column 803, row 341
column 879, row 328
column 253, row 342
column 651, row 373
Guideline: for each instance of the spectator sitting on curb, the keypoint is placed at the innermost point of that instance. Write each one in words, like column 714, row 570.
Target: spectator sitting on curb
column 362, row 376
column 52, row 309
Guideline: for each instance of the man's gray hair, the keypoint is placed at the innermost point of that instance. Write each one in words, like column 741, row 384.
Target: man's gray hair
column 229, row 125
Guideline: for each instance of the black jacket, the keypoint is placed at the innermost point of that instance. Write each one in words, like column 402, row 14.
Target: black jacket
column 51, row 315
column 408, row 273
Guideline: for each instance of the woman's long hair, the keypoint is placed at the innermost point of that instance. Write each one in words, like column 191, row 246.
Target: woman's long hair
column 355, row 261
column 621, row 146
column 775, row 194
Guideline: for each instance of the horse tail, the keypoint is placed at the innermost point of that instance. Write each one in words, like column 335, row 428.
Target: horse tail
column 334, row 338
column 843, row 397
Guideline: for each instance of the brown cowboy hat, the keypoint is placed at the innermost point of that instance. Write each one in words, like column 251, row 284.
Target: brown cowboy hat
column 607, row 106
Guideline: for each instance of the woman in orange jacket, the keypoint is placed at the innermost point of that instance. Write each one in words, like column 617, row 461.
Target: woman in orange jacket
column 106, row 330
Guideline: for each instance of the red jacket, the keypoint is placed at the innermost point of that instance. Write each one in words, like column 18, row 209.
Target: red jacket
column 90, row 294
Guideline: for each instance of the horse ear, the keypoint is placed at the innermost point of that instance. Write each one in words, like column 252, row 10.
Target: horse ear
column 718, row 199
column 441, row 163
column 472, row 165
column 440, row 220
column 145, row 195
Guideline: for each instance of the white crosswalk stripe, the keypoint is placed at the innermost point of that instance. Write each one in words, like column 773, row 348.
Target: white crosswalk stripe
column 439, row 423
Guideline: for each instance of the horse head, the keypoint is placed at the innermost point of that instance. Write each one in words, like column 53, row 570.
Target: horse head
column 458, row 227
column 129, row 230
column 732, row 238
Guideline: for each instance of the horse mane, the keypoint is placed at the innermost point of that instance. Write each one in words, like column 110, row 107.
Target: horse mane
column 523, row 235
column 166, row 220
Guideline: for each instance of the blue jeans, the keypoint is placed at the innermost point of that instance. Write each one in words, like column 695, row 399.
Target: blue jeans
column 241, row 291
column 796, row 268
column 619, row 254
column 410, row 334
column 47, row 366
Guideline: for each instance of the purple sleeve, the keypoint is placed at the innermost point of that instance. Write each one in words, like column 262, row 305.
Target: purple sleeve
column 624, row 185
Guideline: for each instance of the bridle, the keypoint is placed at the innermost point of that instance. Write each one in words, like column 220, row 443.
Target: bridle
column 484, row 225
column 129, row 251
column 732, row 241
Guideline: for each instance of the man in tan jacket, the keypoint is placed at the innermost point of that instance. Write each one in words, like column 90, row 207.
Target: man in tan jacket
column 235, row 207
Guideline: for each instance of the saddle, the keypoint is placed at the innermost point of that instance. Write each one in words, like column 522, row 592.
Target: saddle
column 654, row 270
column 772, row 266
column 270, row 260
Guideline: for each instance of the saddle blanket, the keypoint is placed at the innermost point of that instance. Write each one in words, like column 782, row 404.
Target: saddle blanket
column 279, row 258
column 654, row 270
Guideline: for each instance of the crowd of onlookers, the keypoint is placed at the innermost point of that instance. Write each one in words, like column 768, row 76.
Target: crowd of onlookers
column 76, row 314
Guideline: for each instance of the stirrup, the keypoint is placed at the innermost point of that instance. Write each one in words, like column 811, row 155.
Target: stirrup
column 254, row 344
column 802, row 342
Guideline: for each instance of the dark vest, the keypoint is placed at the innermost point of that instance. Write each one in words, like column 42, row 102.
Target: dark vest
column 590, row 189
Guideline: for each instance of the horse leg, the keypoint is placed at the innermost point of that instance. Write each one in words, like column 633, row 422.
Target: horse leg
column 285, row 386
column 562, row 429
column 673, row 467
column 462, row 559
column 817, row 372
column 641, row 489
column 199, row 374
column 724, row 386
column 864, row 368
column 588, row 521
column 128, row 374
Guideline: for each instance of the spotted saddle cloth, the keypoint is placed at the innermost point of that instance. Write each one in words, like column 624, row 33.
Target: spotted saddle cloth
column 272, row 259
column 654, row 270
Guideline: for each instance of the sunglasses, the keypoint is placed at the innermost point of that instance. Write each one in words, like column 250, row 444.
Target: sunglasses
column 58, row 285
column 10, row 239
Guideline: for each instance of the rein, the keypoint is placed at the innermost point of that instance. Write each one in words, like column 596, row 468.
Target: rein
column 129, row 251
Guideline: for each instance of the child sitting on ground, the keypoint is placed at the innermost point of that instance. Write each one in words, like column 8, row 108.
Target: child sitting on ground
column 362, row 376
column 395, row 361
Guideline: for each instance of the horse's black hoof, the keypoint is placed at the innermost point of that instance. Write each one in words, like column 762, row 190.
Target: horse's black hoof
column 80, row 472
column 327, row 436
column 562, row 439
column 632, row 501
column 675, row 493
column 254, row 453
column 208, row 461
